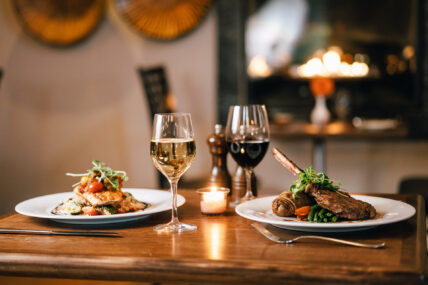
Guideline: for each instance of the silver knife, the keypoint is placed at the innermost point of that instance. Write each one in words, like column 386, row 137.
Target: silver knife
column 58, row 233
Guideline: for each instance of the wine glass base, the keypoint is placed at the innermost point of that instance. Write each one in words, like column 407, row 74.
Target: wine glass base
column 246, row 198
column 174, row 227
column 241, row 200
column 234, row 203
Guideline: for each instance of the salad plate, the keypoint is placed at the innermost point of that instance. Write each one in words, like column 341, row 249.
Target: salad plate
column 388, row 211
column 42, row 206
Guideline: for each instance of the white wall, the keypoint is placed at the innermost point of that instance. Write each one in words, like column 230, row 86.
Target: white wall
column 61, row 108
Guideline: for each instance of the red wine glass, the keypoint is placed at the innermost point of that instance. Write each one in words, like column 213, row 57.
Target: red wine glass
column 247, row 136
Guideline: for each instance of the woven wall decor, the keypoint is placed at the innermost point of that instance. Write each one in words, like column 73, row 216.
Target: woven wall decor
column 59, row 22
column 164, row 19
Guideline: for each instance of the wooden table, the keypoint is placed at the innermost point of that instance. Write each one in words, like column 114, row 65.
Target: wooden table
column 224, row 249
column 335, row 130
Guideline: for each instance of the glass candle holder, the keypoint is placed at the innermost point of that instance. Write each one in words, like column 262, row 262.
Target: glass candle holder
column 213, row 200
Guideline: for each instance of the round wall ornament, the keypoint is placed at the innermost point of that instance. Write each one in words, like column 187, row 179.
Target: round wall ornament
column 164, row 19
column 59, row 23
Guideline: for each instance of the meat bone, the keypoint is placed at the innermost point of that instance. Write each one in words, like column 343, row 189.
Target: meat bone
column 286, row 162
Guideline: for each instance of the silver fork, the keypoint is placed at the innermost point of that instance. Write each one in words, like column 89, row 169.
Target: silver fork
column 261, row 229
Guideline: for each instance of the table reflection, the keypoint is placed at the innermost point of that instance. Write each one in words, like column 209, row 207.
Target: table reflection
column 214, row 237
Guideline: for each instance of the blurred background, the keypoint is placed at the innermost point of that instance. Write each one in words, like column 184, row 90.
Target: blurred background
column 73, row 86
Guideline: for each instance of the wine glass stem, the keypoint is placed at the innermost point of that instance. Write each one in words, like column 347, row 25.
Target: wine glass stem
column 248, row 173
column 174, row 217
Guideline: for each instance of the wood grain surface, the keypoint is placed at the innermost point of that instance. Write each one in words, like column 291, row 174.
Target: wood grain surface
column 224, row 249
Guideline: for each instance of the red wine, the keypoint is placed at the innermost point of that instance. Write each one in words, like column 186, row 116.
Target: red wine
column 248, row 153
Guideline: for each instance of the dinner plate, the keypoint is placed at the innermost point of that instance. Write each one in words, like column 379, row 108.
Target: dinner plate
column 388, row 211
column 41, row 207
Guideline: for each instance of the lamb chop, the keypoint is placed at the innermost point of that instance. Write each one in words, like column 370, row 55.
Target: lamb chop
column 341, row 204
column 338, row 202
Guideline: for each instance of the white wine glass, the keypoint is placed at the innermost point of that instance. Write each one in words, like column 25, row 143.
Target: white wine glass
column 247, row 137
column 172, row 149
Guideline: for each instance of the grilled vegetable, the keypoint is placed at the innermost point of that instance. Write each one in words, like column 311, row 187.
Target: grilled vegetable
column 285, row 204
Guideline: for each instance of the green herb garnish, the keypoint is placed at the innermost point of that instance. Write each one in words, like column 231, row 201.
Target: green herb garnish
column 310, row 176
column 104, row 173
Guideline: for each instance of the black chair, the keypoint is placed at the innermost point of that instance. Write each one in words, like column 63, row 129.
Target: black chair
column 160, row 100
column 415, row 185
column 156, row 87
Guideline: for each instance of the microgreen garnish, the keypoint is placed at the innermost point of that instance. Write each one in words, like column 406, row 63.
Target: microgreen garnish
column 103, row 173
column 310, row 176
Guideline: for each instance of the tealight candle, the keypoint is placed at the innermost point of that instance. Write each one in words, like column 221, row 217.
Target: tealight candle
column 213, row 200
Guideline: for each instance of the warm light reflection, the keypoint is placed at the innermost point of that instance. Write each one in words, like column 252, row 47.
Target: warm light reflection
column 214, row 239
column 331, row 60
column 359, row 68
column 333, row 64
column 258, row 67
column 345, row 69
column 408, row 52
column 336, row 128
column 313, row 67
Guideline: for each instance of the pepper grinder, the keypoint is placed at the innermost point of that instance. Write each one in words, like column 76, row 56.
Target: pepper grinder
column 219, row 175
column 239, row 183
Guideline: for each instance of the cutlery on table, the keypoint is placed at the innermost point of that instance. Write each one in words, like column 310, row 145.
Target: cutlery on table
column 261, row 229
column 58, row 233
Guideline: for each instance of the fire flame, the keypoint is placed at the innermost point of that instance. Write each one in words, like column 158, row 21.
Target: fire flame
column 331, row 65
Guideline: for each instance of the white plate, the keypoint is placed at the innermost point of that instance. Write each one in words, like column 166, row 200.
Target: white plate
column 41, row 207
column 388, row 211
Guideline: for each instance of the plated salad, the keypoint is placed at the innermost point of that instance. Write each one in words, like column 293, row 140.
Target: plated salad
column 99, row 192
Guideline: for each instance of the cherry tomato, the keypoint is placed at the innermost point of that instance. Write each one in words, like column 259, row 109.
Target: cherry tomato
column 95, row 187
column 84, row 180
column 90, row 211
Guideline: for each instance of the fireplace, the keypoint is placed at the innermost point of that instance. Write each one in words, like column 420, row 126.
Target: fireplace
column 373, row 50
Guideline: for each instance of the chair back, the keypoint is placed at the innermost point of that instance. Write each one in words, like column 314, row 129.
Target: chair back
column 157, row 91
column 155, row 84
column 417, row 186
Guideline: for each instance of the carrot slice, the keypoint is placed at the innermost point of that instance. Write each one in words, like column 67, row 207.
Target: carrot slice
column 90, row 211
column 303, row 211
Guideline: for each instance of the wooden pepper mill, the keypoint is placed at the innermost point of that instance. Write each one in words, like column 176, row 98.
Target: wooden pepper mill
column 239, row 183
column 219, row 175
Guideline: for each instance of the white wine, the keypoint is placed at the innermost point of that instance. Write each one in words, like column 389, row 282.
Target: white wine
column 172, row 156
